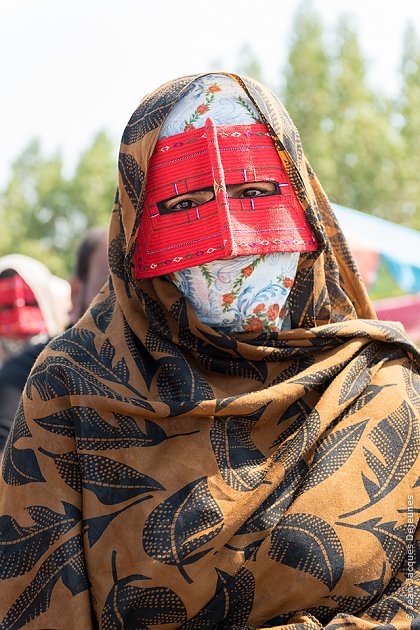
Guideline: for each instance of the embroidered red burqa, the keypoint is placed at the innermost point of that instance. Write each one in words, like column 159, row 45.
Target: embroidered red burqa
column 160, row 474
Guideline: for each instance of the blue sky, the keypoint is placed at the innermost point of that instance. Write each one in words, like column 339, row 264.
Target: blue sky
column 72, row 68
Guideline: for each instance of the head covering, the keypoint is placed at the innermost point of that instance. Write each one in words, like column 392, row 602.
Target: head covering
column 52, row 294
column 34, row 304
column 164, row 473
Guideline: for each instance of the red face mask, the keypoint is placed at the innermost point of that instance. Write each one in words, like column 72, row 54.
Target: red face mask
column 213, row 158
column 20, row 315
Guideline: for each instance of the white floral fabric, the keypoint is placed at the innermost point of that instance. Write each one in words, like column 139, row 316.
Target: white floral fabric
column 247, row 293
column 213, row 95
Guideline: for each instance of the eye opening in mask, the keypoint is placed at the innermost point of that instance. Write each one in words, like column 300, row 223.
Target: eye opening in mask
column 195, row 198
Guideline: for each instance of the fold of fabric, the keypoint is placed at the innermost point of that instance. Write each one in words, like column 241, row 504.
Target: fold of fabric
column 163, row 474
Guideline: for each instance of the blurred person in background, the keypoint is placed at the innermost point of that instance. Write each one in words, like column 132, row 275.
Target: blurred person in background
column 228, row 437
column 34, row 303
column 91, row 272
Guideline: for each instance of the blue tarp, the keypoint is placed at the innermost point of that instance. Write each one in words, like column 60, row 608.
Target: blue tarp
column 398, row 246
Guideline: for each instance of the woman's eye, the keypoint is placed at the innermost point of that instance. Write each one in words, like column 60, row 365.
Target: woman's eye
column 193, row 199
column 254, row 192
column 185, row 204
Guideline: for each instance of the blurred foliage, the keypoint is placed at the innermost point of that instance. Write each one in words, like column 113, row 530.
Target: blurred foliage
column 363, row 146
column 46, row 213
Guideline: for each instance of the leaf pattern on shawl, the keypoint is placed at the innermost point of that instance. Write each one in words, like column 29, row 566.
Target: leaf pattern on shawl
column 319, row 380
column 299, row 409
column 332, row 453
column 22, row 547
column 65, row 562
column 360, row 372
column 241, row 465
column 412, row 385
column 393, row 539
column 216, row 358
column 111, row 481
column 103, row 312
column 292, row 449
column 269, row 513
column 95, row 526
column 177, row 528
column 116, row 256
column 57, row 375
column 308, row 543
column 153, row 111
column 156, row 316
column 405, row 597
column 93, row 433
column 396, row 438
column 20, row 466
column 132, row 177
column 231, row 605
column 349, row 604
column 131, row 606
column 180, row 386
column 146, row 365
column 79, row 344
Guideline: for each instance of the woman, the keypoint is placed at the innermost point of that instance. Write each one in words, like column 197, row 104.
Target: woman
column 228, row 439
column 34, row 303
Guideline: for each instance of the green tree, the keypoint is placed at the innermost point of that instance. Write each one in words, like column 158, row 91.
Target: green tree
column 365, row 147
column 306, row 90
column 408, row 106
column 45, row 213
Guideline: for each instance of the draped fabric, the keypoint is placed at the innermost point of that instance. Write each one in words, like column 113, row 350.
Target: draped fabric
column 163, row 474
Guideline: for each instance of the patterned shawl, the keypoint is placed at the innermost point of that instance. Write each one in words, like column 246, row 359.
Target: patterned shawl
column 161, row 474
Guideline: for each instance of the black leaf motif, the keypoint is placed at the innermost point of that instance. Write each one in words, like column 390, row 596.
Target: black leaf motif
column 145, row 363
column 299, row 409
column 95, row 526
column 181, row 525
column 241, row 465
column 393, row 539
column 406, row 597
column 231, row 605
column 272, row 509
column 111, row 481
column 347, row 605
column 368, row 394
column 360, row 372
column 180, row 386
column 291, row 451
column 307, row 543
column 397, row 439
column 20, row 466
column 132, row 177
column 221, row 355
column 103, row 311
column 156, row 316
column 57, row 376
column 116, row 255
column 65, row 562
column 92, row 433
column 412, row 384
column 153, row 110
column 332, row 453
column 320, row 379
column 22, row 547
column 131, row 606
column 79, row 345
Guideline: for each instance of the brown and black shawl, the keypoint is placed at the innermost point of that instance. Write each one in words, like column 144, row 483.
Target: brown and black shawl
column 161, row 474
